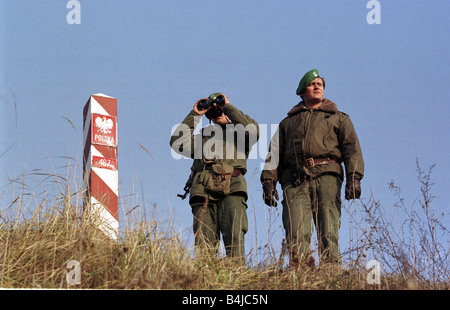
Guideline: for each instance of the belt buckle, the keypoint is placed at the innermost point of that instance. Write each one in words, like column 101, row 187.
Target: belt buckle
column 310, row 162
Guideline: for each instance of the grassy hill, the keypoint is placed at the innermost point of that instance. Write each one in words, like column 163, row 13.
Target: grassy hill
column 41, row 237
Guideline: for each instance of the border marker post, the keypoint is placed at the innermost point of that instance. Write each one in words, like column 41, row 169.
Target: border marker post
column 100, row 163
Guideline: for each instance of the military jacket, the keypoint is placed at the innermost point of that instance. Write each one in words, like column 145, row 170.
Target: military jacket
column 230, row 144
column 306, row 133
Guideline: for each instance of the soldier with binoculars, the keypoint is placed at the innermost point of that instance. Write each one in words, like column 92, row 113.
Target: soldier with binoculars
column 217, row 187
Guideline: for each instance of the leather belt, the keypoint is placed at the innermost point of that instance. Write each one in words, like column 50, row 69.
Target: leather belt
column 236, row 171
column 312, row 162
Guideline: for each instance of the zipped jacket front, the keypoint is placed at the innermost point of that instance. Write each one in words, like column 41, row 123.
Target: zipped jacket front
column 306, row 133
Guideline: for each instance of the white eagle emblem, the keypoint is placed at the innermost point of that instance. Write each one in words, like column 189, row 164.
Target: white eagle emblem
column 104, row 125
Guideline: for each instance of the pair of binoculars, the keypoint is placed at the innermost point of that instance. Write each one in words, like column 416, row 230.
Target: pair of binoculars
column 216, row 104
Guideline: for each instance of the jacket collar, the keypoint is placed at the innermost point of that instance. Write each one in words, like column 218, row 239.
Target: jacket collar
column 326, row 106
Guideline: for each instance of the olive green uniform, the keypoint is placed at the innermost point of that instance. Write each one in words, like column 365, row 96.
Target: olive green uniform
column 305, row 158
column 218, row 210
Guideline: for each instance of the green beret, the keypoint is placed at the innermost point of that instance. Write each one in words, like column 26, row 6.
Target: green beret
column 306, row 79
column 214, row 95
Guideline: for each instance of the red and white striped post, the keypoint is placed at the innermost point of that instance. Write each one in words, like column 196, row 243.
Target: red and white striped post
column 101, row 175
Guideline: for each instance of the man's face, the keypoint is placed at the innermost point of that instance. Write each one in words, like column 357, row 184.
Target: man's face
column 314, row 91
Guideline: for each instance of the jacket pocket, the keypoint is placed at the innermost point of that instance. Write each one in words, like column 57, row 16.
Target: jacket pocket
column 219, row 179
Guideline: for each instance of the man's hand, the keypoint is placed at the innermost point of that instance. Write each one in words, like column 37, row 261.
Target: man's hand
column 353, row 187
column 201, row 112
column 226, row 99
column 270, row 194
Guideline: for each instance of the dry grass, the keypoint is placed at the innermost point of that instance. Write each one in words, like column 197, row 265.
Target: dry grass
column 41, row 233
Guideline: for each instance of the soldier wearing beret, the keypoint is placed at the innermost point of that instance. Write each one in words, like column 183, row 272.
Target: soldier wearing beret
column 305, row 157
column 217, row 186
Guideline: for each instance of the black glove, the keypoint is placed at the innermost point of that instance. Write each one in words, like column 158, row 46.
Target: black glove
column 353, row 187
column 270, row 194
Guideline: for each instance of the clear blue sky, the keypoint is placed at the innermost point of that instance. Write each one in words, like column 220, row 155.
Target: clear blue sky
column 158, row 57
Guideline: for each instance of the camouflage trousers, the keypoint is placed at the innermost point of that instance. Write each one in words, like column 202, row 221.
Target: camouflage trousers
column 313, row 201
column 227, row 216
